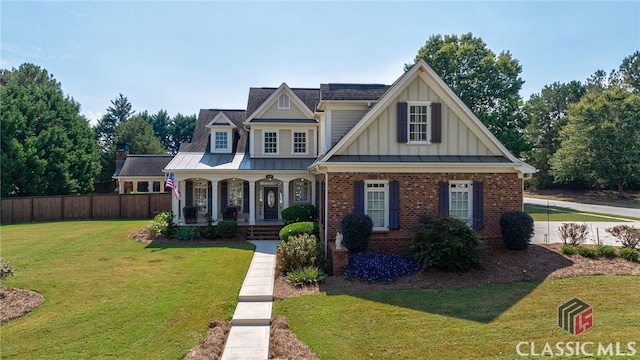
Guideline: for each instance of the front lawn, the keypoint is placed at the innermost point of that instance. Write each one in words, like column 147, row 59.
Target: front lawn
column 469, row 323
column 554, row 213
column 107, row 296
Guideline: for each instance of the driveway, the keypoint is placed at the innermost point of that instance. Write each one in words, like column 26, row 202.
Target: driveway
column 547, row 232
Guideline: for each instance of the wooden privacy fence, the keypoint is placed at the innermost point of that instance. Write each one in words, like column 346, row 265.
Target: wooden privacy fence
column 77, row 207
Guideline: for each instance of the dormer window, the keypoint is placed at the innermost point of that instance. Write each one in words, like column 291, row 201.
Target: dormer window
column 283, row 102
column 221, row 141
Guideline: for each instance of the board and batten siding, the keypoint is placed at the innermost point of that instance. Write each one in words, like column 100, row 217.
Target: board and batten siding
column 285, row 142
column 380, row 138
column 342, row 121
column 272, row 112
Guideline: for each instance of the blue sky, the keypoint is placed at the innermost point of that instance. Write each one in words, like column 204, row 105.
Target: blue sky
column 184, row 56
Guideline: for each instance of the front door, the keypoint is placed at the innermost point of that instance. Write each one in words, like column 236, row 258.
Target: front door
column 271, row 203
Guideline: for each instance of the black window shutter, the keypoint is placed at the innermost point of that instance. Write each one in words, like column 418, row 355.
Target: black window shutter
column 189, row 191
column 224, row 195
column 477, row 204
column 394, row 205
column 444, row 198
column 358, row 197
column 436, row 123
column 402, row 122
column 210, row 199
column 245, row 197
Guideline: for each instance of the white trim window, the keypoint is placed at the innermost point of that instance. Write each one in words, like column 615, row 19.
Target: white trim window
column 300, row 142
column 461, row 200
column 221, row 141
column 270, row 142
column 419, row 122
column 301, row 190
column 284, row 102
column 376, row 198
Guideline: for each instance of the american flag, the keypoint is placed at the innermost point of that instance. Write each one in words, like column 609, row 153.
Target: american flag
column 172, row 185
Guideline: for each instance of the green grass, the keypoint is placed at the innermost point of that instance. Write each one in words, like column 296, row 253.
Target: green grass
column 471, row 323
column 107, row 296
column 554, row 213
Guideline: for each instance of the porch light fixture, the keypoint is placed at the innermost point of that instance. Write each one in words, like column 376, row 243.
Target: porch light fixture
column 269, row 177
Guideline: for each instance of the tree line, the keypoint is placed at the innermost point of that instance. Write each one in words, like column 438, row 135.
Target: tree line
column 580, row 134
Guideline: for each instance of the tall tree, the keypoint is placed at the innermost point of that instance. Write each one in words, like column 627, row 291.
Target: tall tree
column 48, row 148
column 181, row 131
column 547, row 114
column 105, row 131
column 630, row 71
column 138, row 133
column 162, row 123
column 601, row 142
column 487, row 83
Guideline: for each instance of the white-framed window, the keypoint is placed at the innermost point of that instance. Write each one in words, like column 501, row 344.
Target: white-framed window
column 376, row 198
column 235, row 191
column 419, row 122
column 221, row 141
column 200, row 196
column 299, row 142
column 461, row 200
column 283, row 102
column 301, row 191
column 270, row 142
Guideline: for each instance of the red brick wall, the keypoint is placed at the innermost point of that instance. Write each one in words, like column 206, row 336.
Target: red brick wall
column 419, row 196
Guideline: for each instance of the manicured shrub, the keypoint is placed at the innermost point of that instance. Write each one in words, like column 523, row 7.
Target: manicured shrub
column 445, row 243
column 378, row 267
column 568, row 249
column 573, row 233
column 305, row 276
column 607, row 251
column 356, row 230
column 189, row 233
column 162, row 224
column 299, row 252
column 587, row 252
column 227, row 229
column 6, row 269
column 299, row 213
column 627, row 236
column 629, row 254
column 299, row 228
column 210, row 232
column 517, row 229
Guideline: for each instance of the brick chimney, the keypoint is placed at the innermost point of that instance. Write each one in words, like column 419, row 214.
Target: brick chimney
column 122, row 150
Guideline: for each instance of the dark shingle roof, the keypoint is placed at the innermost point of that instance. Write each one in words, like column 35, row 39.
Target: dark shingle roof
column 352, row 91
column 257, row 96
column 201, row 138
column 143, row 165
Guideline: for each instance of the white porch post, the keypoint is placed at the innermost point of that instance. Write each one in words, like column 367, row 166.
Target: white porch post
column 285, row 194
column 214, row 200
column 120, row 186
column 175, row 206
column 252, row 202
column 135, row 186
column 183, row 196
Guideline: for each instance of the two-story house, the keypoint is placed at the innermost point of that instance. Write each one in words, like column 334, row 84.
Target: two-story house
column 393, row 152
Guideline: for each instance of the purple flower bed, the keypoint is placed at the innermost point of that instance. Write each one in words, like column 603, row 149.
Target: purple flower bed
column 378, row 267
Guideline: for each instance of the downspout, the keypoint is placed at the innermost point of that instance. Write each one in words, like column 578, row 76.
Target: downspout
column 326, row 204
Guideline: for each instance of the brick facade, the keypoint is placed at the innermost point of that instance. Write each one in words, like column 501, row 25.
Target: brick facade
column 419, row 196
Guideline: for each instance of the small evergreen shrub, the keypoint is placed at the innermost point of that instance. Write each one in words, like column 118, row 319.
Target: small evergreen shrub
column 189, row 233
column 6, row 269
column 162, row 224
column 445, row 243
column 629, row 254
column 305, row 276
column 299, row 228
column 378, row 267
column 587, row 252
column 573, row 233
column 356, row 230
column 568, row 249
column 517, row 229
column 227, row 229
column 210, row 232
column 627, row 236
column 299, row 213
column 299, row 252
column 607, row 251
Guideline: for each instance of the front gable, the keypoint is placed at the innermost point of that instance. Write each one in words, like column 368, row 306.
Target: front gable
column 275, row 108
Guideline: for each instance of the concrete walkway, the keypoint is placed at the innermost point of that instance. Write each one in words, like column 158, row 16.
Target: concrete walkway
column 251, row 323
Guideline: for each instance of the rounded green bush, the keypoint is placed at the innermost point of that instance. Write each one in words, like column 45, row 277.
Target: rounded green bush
column 299, row 228
column 299, row 213
column 356, row 230
column 587, row 252
column 517, row 229
column 568, row 249
column 629, row 254
column 227, row 228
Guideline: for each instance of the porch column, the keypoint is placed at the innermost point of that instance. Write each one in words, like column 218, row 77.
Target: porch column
column 285, row 194
column 183, row 195
column 135, row 187
column 175, row 206
column 252, row 202
column 214, row 200
column 120, row 186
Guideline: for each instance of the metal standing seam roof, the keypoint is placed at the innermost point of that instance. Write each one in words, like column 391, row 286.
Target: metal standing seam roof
column 143, row 165
column 239, row 161
column 420, row 159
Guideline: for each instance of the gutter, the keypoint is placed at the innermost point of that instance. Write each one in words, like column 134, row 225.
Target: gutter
column 326, row 204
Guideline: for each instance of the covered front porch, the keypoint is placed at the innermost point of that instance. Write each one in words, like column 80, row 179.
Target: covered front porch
column 248, row 199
